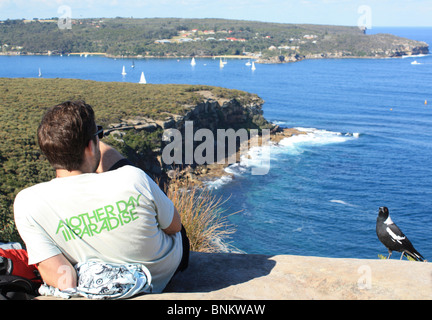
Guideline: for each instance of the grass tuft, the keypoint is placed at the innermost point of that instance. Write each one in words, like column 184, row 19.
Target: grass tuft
column 203, row 217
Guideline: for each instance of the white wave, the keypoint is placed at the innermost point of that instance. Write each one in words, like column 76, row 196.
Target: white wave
column 216, row 184
column 256, row 159
column 354, row 134
column 259, row 158
column 343, row 202
column 279, row 123
column 315, row 137
column 236, row 169
column 416, row 56
column 225, row 246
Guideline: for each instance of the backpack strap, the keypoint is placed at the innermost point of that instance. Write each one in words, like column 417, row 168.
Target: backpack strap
column 17, row 288
column 6, row 266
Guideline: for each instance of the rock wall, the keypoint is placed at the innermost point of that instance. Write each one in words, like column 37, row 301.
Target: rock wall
column 241, row 276
column 221, row 276
column 212, row 113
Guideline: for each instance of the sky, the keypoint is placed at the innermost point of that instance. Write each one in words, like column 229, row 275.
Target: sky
column 372, row 13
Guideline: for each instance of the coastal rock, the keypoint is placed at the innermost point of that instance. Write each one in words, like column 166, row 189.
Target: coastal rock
column 221, row 276
column 213, row 112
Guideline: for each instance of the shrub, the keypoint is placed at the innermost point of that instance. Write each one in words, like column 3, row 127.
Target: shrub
column 207, row 227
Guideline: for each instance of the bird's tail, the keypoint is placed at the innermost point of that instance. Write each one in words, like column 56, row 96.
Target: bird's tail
column 415, row 255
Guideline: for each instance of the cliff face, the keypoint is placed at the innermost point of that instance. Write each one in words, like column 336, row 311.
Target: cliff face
column 212, row 113
column 220, row 113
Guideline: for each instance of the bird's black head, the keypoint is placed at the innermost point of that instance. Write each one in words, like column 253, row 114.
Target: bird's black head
column 383, row 213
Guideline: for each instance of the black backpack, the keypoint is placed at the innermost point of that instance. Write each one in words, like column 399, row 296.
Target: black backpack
column 15, row 287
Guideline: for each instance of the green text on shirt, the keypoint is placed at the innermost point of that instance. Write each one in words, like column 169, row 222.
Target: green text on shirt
column 99, row 220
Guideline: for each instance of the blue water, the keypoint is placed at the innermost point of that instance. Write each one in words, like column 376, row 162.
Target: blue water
column 369, row 145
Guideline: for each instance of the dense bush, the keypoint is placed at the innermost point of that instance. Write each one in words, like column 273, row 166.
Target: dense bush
column 124, row 36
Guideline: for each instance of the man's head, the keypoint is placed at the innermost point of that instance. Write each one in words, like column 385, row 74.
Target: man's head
column 65, row 132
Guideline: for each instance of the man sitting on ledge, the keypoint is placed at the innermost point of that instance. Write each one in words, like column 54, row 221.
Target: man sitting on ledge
column 97, row 208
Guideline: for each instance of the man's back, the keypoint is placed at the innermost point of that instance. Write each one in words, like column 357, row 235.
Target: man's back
column 115, row 217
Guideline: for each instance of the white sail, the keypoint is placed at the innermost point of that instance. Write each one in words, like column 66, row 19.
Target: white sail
column 221, row 64
column 193, row 61
column 124, row 71
column 40, row 73
column 142, row 79
column 253, row 66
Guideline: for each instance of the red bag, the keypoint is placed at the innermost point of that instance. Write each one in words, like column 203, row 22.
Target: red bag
column 18, row 264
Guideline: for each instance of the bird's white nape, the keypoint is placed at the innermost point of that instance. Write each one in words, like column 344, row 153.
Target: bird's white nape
column 388, row 221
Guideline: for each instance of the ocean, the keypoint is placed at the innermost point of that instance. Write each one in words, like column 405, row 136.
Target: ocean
column 368, row 144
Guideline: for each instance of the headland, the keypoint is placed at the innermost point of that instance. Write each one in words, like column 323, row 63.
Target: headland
column 186, row 38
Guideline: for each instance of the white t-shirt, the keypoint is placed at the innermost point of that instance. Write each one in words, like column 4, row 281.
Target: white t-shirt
column 114, row 217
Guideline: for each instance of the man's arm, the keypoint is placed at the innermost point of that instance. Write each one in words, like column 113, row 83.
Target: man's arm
column 175, row 225
column 109, row 157
column 58, row 272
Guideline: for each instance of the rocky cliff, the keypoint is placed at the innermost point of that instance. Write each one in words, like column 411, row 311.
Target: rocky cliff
column 227, row 276
column 212, row 113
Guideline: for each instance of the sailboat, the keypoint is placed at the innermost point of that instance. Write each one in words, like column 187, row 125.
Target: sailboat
column 248, row 63
column 253, row 66
column 123, row 71
column 193, row 61
column 133, row 64
column 40, row 73
column 221, row 64
column 142, row 79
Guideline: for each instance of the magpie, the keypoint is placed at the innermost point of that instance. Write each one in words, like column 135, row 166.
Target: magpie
column 393, row 238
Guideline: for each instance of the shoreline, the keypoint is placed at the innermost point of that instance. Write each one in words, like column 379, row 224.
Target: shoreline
column 203, row 175
column 11, row 53
column 257, row 59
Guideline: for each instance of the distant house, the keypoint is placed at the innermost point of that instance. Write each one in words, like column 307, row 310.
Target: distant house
column 235, row 39
column 308, row 36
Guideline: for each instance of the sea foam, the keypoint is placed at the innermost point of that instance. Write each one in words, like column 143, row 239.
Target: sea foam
column 293, row 145
column 315, row 137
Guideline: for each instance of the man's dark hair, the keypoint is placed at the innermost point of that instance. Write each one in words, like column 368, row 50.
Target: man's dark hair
column 64, row 133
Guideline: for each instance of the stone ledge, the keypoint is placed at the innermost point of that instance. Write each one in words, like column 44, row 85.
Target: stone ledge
column 226, row 276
